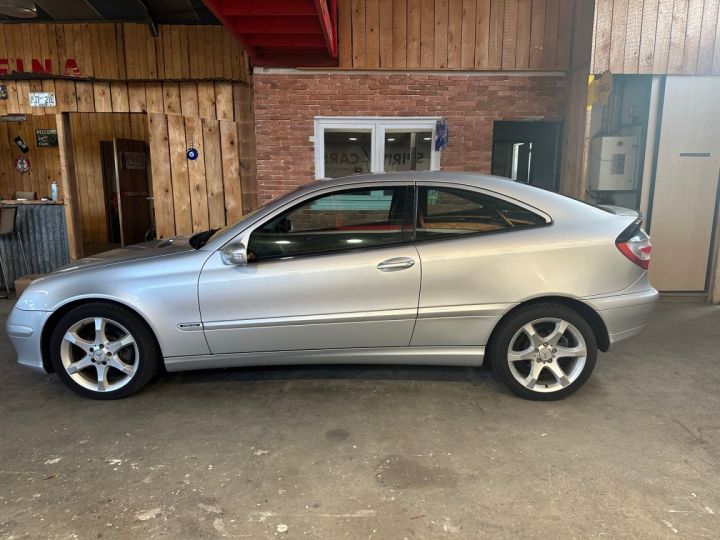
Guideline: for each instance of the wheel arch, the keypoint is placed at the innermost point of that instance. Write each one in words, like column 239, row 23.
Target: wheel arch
column 62, row 310
column 584, row 310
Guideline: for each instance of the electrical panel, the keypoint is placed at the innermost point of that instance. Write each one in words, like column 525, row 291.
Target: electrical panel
column 612, row 163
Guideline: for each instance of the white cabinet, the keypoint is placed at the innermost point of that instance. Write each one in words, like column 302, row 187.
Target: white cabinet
column 612, row 163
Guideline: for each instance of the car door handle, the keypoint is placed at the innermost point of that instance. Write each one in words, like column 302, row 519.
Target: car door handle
column 396, row 263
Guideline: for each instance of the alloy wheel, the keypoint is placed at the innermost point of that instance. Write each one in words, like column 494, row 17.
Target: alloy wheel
column 547, row 355
column 99, row 354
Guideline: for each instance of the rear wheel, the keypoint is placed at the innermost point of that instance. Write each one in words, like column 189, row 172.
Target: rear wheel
column 544, row 351
column 103, row 351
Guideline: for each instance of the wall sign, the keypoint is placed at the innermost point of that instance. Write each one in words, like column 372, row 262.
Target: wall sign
column 11, row 66
column 22, row 164
column 134, row 161
column 46, row 137
column 13, row 118
column 42, row 99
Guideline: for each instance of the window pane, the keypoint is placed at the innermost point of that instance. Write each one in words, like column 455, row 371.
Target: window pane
column 444, row 212
column 409, row 151
column 346, row 220
column 346, row 153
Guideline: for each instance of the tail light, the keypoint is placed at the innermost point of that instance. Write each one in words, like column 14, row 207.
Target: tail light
column 635, row 244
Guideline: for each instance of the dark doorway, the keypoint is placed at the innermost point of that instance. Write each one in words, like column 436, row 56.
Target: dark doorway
column 127, row 191
column 528, row 152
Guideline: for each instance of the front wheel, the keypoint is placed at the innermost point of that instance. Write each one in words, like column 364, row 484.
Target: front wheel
column 544, row 352
column 103, row 351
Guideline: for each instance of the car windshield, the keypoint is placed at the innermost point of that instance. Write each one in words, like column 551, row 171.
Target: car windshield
column 198, row 240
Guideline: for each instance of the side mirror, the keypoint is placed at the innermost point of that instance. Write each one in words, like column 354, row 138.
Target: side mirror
column 234, row 253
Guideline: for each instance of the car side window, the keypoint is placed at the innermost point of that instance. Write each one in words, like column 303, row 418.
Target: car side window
column 451, row 212
column 340, row 221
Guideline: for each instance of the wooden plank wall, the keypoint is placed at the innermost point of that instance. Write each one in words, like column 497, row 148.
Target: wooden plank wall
column 213, row 100
column 572, row 175
column 87, row 132
column 195, row 195
column 127, row 51
column 44, row 161
column 455, row 34
column 657, row 37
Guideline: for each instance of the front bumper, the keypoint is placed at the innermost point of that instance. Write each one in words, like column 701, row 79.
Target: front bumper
column 625, row 315
column 24, row 329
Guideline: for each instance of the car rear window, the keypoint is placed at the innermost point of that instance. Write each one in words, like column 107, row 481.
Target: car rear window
column 444, row 212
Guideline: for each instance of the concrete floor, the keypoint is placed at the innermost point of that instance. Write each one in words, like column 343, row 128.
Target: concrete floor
column 375, row 452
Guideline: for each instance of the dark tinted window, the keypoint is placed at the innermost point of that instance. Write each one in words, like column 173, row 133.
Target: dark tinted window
column 344, row 220
column 447, row 212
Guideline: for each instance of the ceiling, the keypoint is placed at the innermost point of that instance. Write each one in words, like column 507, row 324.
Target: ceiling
column 283, row 33
column 156, row 11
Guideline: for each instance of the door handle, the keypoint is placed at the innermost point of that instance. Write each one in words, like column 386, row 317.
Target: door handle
column 396, row 263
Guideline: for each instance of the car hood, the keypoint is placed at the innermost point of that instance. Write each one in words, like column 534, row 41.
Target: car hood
column 146, row 250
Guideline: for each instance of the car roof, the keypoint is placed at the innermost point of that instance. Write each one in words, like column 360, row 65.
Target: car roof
column 544, row 200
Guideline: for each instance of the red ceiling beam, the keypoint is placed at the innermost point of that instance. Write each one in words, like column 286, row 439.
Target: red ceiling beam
column 276, row 25
column 282, row 33
column 285, row 40
column 327, row 13
column 267, row 8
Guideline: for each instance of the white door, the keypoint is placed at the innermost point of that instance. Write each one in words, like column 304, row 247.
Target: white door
column 686, row 184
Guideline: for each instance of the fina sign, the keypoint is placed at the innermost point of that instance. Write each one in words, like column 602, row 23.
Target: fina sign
column 16, row 66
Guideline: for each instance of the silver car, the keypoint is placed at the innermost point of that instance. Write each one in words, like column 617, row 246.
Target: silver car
column 405, row 268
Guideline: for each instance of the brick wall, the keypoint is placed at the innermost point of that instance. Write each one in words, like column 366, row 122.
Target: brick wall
column 287, row 103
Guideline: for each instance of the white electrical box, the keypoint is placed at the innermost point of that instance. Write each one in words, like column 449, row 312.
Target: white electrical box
column 612, row 163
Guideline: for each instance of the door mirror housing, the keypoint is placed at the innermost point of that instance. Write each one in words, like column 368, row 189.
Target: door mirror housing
column 234, row 253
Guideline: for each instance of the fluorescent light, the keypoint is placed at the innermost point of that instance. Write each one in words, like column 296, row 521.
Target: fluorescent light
column 354, row 241
column 427, row 138
column 352, row 138
column 391, row 140
column 282, row 241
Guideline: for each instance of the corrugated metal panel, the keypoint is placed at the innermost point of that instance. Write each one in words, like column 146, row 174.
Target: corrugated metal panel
column 44, row 237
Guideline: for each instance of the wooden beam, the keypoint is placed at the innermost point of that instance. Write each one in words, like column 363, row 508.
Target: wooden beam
column 68, row 180
column 276, row 25
column 268, row 9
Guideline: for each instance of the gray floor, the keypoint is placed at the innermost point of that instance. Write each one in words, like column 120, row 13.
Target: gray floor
column 375, row 452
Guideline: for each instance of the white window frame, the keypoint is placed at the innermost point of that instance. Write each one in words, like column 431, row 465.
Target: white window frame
column 377, row 126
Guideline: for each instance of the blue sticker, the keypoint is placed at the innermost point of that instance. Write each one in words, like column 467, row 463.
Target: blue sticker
column 192, row 153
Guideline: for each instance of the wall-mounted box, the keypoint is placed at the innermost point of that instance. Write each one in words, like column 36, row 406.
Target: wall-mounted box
column 612, row 163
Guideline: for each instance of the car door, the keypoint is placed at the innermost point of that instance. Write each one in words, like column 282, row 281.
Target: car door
column 336, row 270
column 473, row 247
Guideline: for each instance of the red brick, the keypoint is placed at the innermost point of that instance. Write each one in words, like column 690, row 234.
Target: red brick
column 286, row 106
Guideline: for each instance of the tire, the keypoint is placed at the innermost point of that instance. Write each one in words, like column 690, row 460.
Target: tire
column 543, row 352
column 115, row 362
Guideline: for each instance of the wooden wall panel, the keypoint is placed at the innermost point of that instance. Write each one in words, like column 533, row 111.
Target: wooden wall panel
column 45, row 162
column 192, row 196
column 456, row 34
column 87, row 131
column 118, row 51
column 204, row 99
column 657, row 37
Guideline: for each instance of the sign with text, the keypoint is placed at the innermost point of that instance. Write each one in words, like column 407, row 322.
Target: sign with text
column 42, row 99
column 15, row 66
column 46, row 137
column 134, row 161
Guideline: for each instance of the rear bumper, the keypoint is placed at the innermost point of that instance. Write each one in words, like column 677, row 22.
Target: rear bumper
column 625, row 315
column 24, row 329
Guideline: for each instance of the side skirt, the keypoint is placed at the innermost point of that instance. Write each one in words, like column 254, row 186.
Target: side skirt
column 440, row 356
